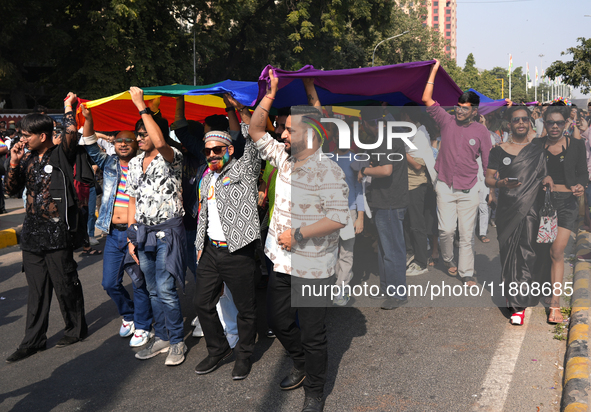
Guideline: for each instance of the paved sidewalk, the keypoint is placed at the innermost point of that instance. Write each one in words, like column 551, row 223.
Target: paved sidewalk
column 11, row 223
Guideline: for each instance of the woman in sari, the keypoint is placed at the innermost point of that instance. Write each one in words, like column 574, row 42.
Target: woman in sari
column 518, row 208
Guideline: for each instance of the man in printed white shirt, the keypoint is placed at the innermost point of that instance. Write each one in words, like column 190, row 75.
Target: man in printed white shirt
column 156, row 232
column 311, row 206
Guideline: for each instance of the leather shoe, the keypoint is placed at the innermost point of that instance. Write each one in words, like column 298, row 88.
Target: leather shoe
column 66, row 341
column 22, row 353
column 294, row 380
column 393, row 303
column 241, row 369
column 313, row 404
column 211, row 363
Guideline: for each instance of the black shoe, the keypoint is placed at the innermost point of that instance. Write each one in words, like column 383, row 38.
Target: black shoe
column 241, row 369
column 270, row 334
column 211, row 363
column 294, row 380
column 3, row 211
column 66, row 341
column 393, row 303
column 23, row 353
column 313, row 404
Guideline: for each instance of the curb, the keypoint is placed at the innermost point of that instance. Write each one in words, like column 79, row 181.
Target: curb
column 576, row 371
column 10, row 237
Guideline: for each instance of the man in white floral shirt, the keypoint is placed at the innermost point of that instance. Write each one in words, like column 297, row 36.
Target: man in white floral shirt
column 311, row 206
column 156, row 231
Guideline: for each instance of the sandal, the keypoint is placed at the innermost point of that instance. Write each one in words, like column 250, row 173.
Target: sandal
column 517, row 318
column 553, row 318
column 484, row 239
column 452, row 268
column 91, row 252
column 469, row 279
column 431, row 261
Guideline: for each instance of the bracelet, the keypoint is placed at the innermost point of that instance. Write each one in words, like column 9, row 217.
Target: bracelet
column 269, row 97
column 264, row 109
column 13, row 165
column 496, row 183
column 431, row 83
column 243, row 107
column 230, row 109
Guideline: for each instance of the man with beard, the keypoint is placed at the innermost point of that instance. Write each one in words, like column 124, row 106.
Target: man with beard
column 136, row 313
column 227, row 228
column 48, row 229
column 311, row 206
column 463, row 140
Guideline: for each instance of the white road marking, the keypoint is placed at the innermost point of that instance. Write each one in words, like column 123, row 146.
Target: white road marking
column 500, row 372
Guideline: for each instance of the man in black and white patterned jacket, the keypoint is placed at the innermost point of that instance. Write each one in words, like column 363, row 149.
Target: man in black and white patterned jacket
column 227, row 229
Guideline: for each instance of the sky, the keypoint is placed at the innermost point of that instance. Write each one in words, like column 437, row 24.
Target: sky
column 491, row 29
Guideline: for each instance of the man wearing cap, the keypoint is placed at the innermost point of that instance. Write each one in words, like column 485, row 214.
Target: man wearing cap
column 227, row 229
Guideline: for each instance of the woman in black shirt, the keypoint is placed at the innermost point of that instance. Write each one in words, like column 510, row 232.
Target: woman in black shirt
column 567, row 175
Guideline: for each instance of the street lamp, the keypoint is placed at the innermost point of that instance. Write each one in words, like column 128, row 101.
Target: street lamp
column 389, row 38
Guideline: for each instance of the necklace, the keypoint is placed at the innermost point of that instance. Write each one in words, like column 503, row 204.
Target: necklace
column 519, row 144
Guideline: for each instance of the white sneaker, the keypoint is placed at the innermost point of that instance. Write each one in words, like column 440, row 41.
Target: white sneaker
column 232, row 339
column 197, row 332
column 92, row 240
column 140, row 338
column 127, row 328
column 414, row 270
column 176, row 354
column 341, row 300
column 156, row 347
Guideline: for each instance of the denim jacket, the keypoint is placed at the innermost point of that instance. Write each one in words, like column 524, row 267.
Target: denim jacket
column 111, row 168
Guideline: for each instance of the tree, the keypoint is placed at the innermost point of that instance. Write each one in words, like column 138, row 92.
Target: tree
column 576, row 73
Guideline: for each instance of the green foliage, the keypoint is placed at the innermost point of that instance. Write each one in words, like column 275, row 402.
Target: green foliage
column 576, row 73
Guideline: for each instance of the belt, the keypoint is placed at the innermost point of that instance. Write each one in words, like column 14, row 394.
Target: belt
column 118, row 226
column 218, row 243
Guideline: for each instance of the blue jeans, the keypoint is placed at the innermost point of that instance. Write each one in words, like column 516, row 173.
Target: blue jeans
column 161, row 285
column 139, row 309
column 91, row 211
column 391, row 251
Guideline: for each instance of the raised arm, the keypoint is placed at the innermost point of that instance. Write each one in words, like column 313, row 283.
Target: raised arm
column 245, row 114
column 231, row 111
column 137, row 96
column 259, row 118
column 311, row 92
column 88, row 129
column 428, row 93
column 70, row 139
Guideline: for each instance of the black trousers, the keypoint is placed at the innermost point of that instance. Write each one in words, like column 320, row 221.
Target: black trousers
column 415, row 230
column 307, row 345
column 218, row 265
column 46, row 271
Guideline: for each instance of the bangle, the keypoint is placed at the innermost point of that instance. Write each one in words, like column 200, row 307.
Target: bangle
column 269, row 97
column 13, row 165
column 431, row 83
column 264, row 109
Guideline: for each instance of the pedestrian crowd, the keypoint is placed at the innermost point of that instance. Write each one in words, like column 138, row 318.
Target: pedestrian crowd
column 241, row 203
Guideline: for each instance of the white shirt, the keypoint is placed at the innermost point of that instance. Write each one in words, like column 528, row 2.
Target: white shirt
column 214, row 224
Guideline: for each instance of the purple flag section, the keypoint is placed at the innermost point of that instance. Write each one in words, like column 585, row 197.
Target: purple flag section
column 396, row 84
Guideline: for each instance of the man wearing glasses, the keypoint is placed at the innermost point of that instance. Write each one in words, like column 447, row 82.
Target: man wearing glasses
column 463, row 140
column 136, row 312
column 228, row 226
column 156, row 232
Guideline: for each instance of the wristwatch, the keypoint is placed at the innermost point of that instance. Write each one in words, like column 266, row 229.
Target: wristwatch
column 146, row 111
column 298, row 235
column 230, row 109
column 362, row 170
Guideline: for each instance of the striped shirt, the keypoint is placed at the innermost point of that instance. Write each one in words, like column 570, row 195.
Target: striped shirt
column 122, row 198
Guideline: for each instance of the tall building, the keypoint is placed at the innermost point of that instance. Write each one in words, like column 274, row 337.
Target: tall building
column 442, row 16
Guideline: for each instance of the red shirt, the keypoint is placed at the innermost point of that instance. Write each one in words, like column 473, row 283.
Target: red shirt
column 460, row 147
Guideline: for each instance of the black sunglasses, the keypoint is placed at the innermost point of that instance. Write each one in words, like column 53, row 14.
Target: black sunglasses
column 559, row 123
column 516, row 120
column 217, row 150
column 127, row 140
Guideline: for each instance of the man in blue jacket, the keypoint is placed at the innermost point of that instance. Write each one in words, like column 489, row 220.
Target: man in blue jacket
column 136, row 313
